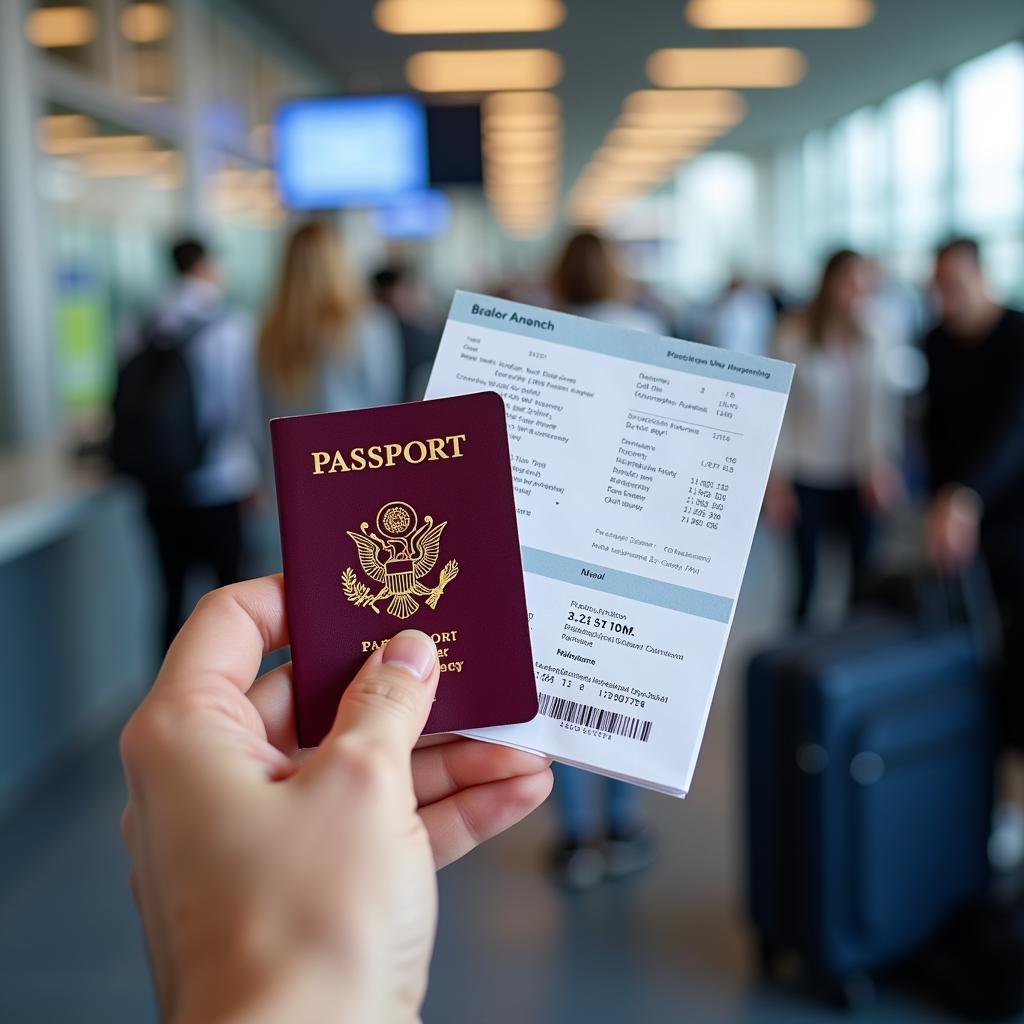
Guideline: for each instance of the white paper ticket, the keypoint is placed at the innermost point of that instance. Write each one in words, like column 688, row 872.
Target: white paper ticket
column 640, row 464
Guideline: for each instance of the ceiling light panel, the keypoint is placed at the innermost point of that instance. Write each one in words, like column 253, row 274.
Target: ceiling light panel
column 146, row 22
column 416, row 17
column 59, row 27
column 738, row 67
column 483, row 70
column 739, row 14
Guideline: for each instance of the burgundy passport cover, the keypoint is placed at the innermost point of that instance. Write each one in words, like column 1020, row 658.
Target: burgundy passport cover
column 404, row 518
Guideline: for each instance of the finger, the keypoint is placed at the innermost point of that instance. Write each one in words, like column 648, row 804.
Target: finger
column 461, row 822
column 387, row 704
column 440, row 771
column 225, row 638
column 436, row 738
column 273, row 698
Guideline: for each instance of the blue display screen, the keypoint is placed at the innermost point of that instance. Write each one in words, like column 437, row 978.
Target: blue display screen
column 352, row 151
column 414, row 215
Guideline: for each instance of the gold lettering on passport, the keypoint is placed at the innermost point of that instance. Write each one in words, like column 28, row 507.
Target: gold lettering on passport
column 444, row 641
column 397, row 558
column 383, row 456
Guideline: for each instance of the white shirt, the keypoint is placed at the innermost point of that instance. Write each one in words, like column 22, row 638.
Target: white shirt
column 369, row 375
column 620, row 314
column 839, row 421
column 742, row 321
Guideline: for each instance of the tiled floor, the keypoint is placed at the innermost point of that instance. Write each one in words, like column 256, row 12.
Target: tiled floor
column 670, row 946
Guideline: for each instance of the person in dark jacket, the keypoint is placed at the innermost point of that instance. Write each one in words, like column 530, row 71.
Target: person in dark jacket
column 975, row 440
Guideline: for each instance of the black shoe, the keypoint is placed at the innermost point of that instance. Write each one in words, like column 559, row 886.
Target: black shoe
column 630, row 853
column 578, row 866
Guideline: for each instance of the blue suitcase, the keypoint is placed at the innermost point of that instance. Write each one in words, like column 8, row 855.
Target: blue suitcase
column 869, row 787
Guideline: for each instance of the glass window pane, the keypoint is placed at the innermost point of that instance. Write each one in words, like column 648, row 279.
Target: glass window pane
column 917, row 128
column 988, row 104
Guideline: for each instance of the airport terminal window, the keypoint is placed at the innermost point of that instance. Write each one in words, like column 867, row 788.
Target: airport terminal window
column 247, row 226
column 111, row 196
column 816, row 193
column 917, row 128
column 988, row 107
column 231, row 112
column 866, row 179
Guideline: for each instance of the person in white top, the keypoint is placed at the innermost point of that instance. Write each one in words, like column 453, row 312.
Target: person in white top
column 834, row 466
column 742, row 319
column 587, row 281
column 600, row 838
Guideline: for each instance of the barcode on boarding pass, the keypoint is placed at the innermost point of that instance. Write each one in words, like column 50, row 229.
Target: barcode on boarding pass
column 598, row 719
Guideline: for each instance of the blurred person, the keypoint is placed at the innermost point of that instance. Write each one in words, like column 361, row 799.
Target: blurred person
column 602, row 833
column 833, row 468
column 743, row 319
column 186, row 424
column 397, row 289
column 323, row 347
column 587, row 281
column 974, row 432
column 278, row 885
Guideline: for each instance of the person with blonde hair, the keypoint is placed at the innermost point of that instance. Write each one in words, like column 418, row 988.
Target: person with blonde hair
column 322, row 346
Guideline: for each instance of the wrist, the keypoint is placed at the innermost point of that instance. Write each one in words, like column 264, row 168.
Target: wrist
column 261, row 979
column 289, row 994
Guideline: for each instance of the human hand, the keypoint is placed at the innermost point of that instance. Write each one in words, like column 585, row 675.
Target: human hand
column 884, row 488
column 781, row 509
column 283, row 885
column 953, row 527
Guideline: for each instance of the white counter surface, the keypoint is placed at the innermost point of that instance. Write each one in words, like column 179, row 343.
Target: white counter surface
column 43, row 494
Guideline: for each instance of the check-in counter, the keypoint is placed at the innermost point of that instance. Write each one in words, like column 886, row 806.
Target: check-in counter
column 76, row 611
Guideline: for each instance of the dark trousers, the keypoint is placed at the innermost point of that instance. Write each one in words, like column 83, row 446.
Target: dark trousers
column 1002, row 543
column 582, row 815
column 190, row 537
column 836, row 511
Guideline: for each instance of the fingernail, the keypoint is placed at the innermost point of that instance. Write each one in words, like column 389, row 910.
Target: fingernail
column 412, row 650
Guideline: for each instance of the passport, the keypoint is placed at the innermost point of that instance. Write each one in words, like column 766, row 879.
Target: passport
column 397, row 518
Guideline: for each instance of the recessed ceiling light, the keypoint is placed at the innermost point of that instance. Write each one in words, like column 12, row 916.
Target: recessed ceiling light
column 523, row 158
column 524, row 177
column 498, row 124
column 656, row 138
column 146, row 22
column 522, row 103
column 119, row 143
column 720, row 107
column 623, row 174
column 483, row 70
column 57, row 27
column 725, row 14
column 740, row 67
column 633, row 155
column 414, row 17
column 61, row 134
column 523, row 137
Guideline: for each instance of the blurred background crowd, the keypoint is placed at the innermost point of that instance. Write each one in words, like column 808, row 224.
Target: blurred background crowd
column 837, row 183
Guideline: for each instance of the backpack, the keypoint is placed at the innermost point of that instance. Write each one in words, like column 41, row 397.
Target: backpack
column 156, row 437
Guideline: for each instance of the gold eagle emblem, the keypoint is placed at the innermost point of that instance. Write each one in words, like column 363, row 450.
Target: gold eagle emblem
column 397, row 557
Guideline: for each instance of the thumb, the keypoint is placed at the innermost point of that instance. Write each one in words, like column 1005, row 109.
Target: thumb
column 387, row 703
